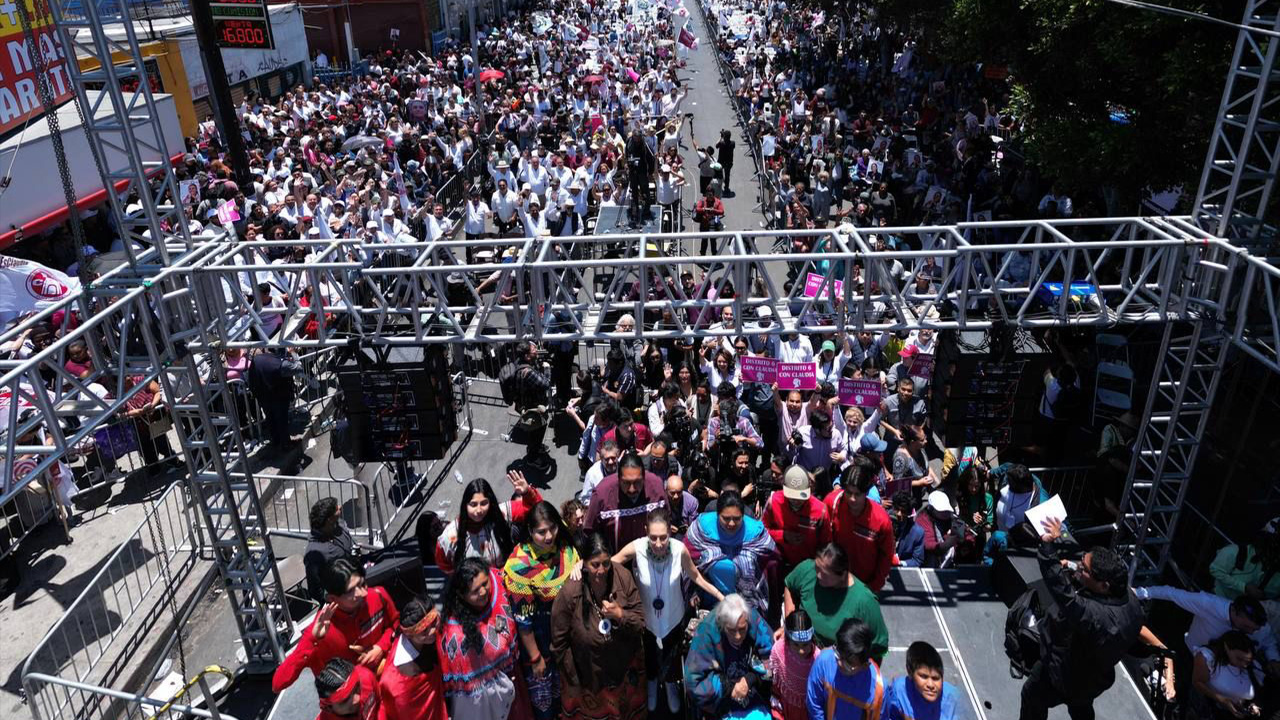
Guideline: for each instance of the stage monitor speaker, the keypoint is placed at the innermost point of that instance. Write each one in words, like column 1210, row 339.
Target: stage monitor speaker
column 400, row 411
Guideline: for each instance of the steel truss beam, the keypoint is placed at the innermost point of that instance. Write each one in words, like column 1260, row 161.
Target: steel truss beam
column 122, row 128
column 560, row 289
column 1235, row 199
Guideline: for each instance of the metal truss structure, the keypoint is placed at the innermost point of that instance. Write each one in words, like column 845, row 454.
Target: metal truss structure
column 1236, row 198
column 168, row 314
column 139, row 323
column 566, row 289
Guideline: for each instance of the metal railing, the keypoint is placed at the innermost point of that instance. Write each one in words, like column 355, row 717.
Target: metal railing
column 764, row 183
column 339, row 71
column 122, row 705
column 95, row 642
column 1069, row 481
column 287, row 500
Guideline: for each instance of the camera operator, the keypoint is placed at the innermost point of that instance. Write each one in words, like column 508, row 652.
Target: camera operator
column 728, row 426
column 681, row 504
column 659, row 459
column 817, row 447
column 668, row 398
column 534, row 383
column 1096, row 619
column 619, row 381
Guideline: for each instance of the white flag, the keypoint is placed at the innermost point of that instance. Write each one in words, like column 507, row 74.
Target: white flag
column 27, row 286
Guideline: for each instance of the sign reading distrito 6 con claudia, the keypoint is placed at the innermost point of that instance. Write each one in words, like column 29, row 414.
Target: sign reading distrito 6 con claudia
column 242, row 24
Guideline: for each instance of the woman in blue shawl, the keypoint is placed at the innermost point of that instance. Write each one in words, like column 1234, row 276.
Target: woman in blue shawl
column 733, row 550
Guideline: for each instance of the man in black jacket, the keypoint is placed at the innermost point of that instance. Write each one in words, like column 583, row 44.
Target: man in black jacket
column 329, row 541
column 1094, row 621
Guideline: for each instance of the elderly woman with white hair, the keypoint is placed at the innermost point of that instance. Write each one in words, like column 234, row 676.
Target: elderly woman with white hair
column 725, row 669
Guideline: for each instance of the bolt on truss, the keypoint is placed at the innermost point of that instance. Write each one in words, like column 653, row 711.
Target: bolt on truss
column 1237, row 183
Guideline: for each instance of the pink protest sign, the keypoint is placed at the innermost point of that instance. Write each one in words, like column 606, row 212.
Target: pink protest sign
column 227, row 213
column 923, row 366
column 813, row 281
column 759, row 369
column 797, row 376
column 862, row 393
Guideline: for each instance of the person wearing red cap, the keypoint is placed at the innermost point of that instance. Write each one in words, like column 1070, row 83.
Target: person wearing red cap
column 347, row 692
column 797, row 521
column 912, row 365
column 355, row 625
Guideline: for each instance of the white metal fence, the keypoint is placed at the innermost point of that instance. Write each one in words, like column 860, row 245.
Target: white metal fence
column 94, row 644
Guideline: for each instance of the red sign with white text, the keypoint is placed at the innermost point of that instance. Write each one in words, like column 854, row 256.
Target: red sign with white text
column 19, row 92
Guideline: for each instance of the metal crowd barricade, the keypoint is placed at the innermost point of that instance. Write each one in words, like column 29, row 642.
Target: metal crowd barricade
column 727, row 76
column 123, row 705
column 94, row 644
column 111, row 455
column 287, row 501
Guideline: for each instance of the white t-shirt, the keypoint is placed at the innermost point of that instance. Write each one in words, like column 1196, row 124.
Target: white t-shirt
column 1228, row 680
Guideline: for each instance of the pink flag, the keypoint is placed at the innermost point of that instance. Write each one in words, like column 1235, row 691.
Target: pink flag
column 687, row 39
column 632, row 74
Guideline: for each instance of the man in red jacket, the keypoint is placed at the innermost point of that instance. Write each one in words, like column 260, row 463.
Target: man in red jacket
column 861, row 526
column 411, row 686
column 356, row 625
column 797, row 521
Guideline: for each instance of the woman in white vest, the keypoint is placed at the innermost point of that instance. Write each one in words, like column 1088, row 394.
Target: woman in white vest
column 661, row 566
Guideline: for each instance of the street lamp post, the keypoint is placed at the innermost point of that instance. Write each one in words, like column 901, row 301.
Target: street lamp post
column 475, row 61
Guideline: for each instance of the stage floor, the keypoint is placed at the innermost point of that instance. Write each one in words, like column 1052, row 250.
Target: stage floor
column 958, row 612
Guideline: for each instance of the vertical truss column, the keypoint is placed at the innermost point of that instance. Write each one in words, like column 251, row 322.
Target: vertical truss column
column 1236, row 185
column 1179, row 401
column 127, row 138
column 208, row 427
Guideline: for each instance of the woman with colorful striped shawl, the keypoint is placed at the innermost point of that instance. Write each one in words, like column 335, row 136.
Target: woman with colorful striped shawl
column 534, row 574
column 733, row 550
column 479, row 656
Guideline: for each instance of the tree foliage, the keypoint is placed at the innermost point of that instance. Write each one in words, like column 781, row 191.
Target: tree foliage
column 1075, row 63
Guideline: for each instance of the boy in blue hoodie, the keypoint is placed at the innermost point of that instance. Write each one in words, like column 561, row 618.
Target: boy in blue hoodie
column 921, row 694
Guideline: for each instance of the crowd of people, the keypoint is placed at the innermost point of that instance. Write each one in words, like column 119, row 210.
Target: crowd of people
column 732, row 539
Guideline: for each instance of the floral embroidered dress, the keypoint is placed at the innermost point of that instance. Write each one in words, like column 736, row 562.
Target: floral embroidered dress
column 484, row 683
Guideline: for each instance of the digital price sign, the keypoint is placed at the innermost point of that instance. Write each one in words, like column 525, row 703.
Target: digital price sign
column 242, row 24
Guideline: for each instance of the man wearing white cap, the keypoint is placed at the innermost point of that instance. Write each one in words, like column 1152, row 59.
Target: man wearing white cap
column 391, row 225
column 942, row 532
column 505, row 203
column 501, row 172
column 796, row 520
